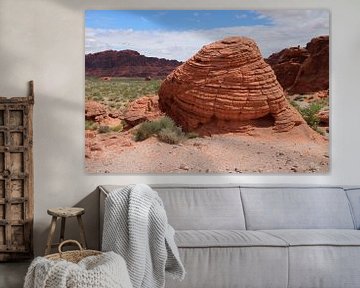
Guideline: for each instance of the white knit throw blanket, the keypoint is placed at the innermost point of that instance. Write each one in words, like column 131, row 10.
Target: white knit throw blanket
column 136, row 227
column 103, row 271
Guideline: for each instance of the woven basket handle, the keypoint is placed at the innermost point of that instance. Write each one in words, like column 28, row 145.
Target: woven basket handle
column 69, row 241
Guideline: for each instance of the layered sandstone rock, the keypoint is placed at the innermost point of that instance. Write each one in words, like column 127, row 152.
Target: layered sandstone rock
column 226, row 82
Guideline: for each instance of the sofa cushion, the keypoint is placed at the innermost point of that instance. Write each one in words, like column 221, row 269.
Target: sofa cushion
column 315, row 237
column 224, row 267
column 324, row 266
column 296, row 208
column 204, row 208
column 226, row 238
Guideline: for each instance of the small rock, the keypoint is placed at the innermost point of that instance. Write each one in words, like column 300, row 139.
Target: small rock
column 280, row 154
column 96, row 147
column 294, row 169
column 184, row 167
column 90, row 134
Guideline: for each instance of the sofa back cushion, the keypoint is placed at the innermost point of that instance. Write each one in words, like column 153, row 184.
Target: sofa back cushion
column 203, row 208
column 296, row 208
column 354, row 198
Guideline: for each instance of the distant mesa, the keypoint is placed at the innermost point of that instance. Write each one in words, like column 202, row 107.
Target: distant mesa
column 226, row 83
column 127, row 63
column 302, row 70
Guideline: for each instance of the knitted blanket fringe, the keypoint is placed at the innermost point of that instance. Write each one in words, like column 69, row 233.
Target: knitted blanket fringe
column 102, row 271
column 136, row 227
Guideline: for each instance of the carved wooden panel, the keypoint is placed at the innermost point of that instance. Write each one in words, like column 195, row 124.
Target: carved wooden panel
column 16, row 177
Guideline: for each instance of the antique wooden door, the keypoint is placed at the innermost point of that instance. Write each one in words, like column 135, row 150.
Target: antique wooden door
column 16, row 177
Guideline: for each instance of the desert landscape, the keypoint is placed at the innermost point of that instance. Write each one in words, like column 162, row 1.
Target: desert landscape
column 224, row 110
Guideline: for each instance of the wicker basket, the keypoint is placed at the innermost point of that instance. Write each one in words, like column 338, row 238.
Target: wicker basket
column 72, row 256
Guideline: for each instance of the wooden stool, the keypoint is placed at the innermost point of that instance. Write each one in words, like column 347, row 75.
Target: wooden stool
column 64, row 213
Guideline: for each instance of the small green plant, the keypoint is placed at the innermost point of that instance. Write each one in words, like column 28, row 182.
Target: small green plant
column 91, row 125
column 310, row 112
column 146, row 129
column 104, row 129
column 171, row 136
column 310, row 115
column 165, row 129
column 192, row 135
column 117, row 128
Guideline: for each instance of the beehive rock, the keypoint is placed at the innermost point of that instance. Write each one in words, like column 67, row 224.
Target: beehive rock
column 226, row 81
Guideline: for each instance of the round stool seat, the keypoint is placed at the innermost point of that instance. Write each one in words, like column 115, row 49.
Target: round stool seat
column 66, row 211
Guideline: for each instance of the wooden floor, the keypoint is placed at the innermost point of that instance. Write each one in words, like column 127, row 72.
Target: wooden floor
column 12, row 274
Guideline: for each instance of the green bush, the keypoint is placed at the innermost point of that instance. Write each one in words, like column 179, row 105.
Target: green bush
column 90, row 125
column 146, row 129
column 104, row 129
column 171, row 136
column 117, row 128
column 165, row 129
column 310, row 115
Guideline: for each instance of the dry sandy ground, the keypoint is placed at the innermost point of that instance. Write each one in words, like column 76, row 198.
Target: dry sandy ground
column 261, row 151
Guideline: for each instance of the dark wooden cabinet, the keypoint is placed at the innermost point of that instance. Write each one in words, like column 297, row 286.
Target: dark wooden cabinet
column 16, row 177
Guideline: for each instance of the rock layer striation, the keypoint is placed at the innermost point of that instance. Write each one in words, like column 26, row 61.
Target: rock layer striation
column 229, row 83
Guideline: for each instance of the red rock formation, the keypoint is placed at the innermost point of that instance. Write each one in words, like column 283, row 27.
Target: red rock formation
column 227, row 82
column 143, row 109
column 127, row 63
column 93, row 110
column 314, row 72
column 287, row 63
column 324, row 116
column 303, row 70
column 97, row 112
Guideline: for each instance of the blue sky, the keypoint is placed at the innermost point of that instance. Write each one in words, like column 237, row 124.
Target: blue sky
column 175, row 20
column 179, row 34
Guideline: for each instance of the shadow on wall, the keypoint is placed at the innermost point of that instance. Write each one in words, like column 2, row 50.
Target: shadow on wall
column 57, row 159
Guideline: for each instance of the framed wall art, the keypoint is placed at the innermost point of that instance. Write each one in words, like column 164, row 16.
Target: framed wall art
column 207, row 91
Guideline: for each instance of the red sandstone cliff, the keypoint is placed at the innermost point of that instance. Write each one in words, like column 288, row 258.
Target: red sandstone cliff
column 127, row 63
column 302, row 70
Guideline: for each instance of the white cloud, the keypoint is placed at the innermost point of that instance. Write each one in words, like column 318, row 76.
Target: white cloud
column 291, row 28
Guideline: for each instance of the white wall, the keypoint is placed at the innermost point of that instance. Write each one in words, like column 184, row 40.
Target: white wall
column 43, row 40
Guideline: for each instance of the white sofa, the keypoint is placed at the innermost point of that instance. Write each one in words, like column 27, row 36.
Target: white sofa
column 264, row 237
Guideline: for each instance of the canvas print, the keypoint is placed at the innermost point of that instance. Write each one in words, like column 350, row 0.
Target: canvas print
column 207, row 91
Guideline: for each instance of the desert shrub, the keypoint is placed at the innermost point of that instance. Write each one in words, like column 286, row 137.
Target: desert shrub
column 310, row 115
column 147, row 129
column 104, row 129
column 165, row 129
column 192, row 135
column 90, row 125
column 171, row 136
column 117, row 128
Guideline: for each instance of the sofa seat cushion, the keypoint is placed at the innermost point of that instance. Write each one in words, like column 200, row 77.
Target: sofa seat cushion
column 317, row 237
column 226, row 238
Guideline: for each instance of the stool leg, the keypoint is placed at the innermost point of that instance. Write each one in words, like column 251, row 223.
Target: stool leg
column 51, row 235
column 82, row 232
column 62, row 230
